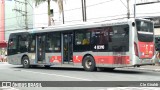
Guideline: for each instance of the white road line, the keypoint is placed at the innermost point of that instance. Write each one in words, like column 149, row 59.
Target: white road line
column 8, row 88
column 58, row 75
column 4, row 63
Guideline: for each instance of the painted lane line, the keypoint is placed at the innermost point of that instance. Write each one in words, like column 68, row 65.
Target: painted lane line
column 8, row 88
column 58, row 75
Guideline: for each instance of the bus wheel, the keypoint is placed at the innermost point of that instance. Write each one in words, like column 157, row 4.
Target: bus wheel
column 26, row 62
column 89, row 63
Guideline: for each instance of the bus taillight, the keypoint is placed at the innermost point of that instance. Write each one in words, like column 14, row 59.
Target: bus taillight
column 136, row 49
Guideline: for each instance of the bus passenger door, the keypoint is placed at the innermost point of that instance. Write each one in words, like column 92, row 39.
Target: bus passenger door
column 40, row 48
column 67, row 48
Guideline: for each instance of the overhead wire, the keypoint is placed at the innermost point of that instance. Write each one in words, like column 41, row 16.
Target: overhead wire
column 65, row 10
column 78, row 8
column 123, row 3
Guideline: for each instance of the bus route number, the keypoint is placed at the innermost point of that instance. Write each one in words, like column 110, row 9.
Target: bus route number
column 99, row 47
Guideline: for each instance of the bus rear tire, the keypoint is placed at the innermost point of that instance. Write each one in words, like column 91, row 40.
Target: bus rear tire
column 89, row 63
column 26, row 62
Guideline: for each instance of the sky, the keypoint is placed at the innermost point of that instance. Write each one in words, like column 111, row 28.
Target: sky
column 96, row 10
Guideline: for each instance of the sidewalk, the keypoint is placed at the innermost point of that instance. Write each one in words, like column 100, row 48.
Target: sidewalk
column 147, row 67
column 3, row 62
column 151, row 67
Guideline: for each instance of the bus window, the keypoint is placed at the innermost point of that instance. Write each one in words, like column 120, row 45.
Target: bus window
column 145, row 31
column 32, row 43
column 13, row 43
column 119, row 39
column 53, row 42
column 82, row 38
column 23, row 43
column 13, row 47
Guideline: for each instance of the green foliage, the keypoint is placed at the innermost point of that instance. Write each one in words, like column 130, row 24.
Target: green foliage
column 38, row 2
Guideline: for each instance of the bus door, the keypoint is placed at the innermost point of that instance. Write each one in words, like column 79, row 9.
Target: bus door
column 40, row 48
column 67, row 48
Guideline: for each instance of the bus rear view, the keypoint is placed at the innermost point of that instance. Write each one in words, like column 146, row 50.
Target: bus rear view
column 144, row 43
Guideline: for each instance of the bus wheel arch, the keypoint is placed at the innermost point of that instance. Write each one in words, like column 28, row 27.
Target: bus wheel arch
column 25, row 61
column 88, row 63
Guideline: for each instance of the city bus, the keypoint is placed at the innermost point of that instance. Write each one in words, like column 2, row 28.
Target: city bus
column 109, row 44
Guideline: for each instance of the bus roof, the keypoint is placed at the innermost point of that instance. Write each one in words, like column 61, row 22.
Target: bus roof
column 65, row 27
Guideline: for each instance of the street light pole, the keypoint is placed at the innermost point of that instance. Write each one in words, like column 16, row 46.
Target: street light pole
column 62, row 12
column 84, row 15
column 128, row 11
column 135, row 9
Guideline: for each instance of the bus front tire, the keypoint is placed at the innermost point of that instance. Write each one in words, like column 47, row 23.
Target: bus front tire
column 89, row 63
column 26, row 62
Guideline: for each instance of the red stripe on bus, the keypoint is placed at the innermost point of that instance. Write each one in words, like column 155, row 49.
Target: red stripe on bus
column 112, row 59
column 105, row 59
column 146, row 49
column 56, row 59
column 77, row 59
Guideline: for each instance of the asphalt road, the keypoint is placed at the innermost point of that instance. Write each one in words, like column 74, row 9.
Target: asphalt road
column 18, row 73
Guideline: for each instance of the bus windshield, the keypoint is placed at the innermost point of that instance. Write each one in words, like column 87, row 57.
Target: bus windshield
column 145, row 31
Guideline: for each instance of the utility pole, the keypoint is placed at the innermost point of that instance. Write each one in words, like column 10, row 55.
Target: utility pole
column 128, row 11
column 63, row 12
column 26, row 16
column 84, row 12
column 24, row 13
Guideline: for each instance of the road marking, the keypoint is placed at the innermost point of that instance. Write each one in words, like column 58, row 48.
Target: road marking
column 3, row 63
column 8, row 88
column 58, row 75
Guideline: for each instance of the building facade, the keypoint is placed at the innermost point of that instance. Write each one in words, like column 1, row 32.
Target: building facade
column 15, row 16
column 2, row 36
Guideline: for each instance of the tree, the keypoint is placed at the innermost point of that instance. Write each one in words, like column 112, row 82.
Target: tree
column 59, row 2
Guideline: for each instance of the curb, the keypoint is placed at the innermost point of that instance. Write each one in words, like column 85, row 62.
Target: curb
column 148, row 69
column 3, row 62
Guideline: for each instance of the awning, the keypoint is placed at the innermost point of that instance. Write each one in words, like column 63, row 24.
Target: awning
column 3, row 44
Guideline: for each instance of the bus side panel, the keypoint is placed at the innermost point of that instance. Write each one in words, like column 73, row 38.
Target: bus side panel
column 77, row 59
column 103, row 60
column 78, row 56
column 112, row 59
column 15, row 59
column 53, row 58
column 32, row 58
